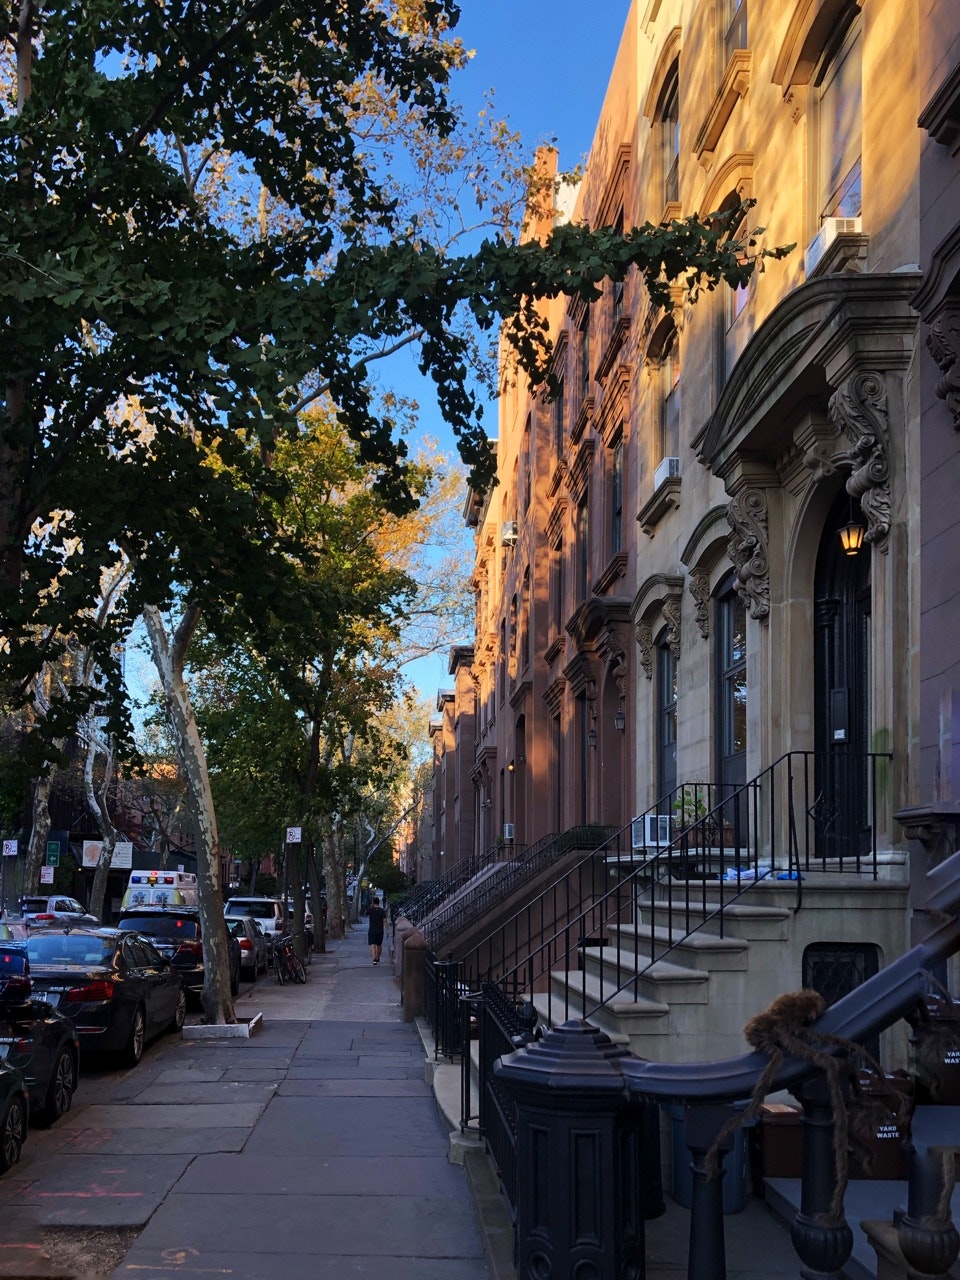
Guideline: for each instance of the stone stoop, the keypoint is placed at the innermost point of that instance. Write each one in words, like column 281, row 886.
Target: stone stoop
column 692, row 1003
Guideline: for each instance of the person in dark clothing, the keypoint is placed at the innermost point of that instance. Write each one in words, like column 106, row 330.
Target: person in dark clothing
column 376, row 919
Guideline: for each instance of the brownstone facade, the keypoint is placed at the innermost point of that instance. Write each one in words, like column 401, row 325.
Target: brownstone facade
column 661, row 592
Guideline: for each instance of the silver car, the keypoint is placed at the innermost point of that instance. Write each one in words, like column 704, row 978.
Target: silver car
column 254, row 947
column 57, row 909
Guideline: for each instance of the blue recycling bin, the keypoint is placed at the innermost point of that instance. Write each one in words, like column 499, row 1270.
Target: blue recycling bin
column 735, row 1166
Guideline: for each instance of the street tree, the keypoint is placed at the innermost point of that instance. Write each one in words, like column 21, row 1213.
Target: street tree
column 125, row 280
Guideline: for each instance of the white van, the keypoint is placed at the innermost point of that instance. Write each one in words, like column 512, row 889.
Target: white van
column 160, row 889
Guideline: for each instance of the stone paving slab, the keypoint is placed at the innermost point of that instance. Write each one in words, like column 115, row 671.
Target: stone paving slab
column 96, row 1190
column 224, row 1092
column 189, row 1075
column 343, row 1126
column 150, row 1264
column 352, row 1088
column 379, row 1225
column 111, row 1117
column 355, row 1069
column 134, row 1140
column 312, row 1175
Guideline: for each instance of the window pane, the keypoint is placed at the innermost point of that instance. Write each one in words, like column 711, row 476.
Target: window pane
column 839, row 121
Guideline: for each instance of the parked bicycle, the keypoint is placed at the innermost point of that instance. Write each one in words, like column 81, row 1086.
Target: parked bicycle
column 286, row 962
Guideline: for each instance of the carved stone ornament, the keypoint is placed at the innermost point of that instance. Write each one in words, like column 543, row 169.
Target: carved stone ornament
column 671, row 611
column 747, row 548
column 943, row 343
column 620, row 671
column 645, row 645
column 700, row 590
column 859, row 409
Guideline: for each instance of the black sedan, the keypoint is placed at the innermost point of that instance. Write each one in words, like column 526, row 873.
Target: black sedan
column 14, row 1112
column 36, row 1039
column 115, row 987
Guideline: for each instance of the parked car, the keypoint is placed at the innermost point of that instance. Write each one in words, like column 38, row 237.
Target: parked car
column 268, row 911
column 116, row 987
column 56, row 908
column 254, row 951
column 14, row 1115
column 36, row 1038
column 177, row 933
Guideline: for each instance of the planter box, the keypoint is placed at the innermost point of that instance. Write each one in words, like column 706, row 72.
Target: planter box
column 241, row 1030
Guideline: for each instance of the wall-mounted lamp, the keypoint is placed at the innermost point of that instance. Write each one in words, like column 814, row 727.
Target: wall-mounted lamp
column 591, row 737
column 511, row 767
column 620, row 720
column 851, row 534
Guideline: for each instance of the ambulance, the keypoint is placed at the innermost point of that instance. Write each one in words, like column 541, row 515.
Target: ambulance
column 160, row 889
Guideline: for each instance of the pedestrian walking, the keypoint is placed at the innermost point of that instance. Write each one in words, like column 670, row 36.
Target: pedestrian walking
column 376, row 919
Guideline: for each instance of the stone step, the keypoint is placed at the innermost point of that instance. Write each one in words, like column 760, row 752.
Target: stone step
column 751, row 922
column 663, row 982
column 577, row 994
column 629, row 946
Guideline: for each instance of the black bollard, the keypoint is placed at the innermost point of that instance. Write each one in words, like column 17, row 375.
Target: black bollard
column 583, row 1158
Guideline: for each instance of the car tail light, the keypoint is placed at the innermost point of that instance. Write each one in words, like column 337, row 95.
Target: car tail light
column 91, row 991
column 246, row 944
column 43, row 918
column 191, row 948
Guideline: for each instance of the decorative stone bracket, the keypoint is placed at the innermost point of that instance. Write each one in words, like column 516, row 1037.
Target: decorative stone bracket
column 748, row 549
column 858, row 409
column 943, row 343
column 670, row 609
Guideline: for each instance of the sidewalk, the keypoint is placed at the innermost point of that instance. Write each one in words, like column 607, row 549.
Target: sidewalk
column 313, row 1149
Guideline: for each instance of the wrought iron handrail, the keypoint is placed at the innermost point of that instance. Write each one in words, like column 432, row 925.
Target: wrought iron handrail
column 494, row 955
column 742, row 837
column 754, row 832
column 511, row 875
column 426, row 898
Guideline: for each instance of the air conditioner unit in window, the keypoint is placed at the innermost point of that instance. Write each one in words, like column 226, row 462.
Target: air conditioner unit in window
column 652, row 831
column 667, row 469
column 508, row 533
column 508, row 830
column 821, row 242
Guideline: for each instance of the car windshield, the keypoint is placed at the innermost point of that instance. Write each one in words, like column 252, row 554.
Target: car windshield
column 69, row 948
column 166, row 926
column 252, row 909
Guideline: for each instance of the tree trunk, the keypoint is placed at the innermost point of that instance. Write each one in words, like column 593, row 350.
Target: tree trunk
column 97, row 804
column 336, row 882
column 169, row 659
column 39, row 830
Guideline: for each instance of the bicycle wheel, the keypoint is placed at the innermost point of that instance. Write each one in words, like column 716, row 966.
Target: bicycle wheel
column 299, row 973
column 280, row 964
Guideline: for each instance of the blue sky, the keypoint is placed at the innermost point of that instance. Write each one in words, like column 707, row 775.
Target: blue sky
column 548, row 62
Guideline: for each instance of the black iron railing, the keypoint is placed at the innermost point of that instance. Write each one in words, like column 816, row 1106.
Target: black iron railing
column 781, row 825
column 504, row 878
column 443, row 989
column 583, row 941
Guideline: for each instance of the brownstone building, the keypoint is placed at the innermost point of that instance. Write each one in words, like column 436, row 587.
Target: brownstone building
column 666, row 589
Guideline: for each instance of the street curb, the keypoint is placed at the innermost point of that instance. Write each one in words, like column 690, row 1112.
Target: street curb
column 241, row 1030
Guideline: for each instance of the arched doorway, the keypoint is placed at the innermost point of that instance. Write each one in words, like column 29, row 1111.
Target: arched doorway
column 842, row 678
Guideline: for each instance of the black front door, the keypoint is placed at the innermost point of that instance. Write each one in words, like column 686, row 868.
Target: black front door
column 841, row 691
